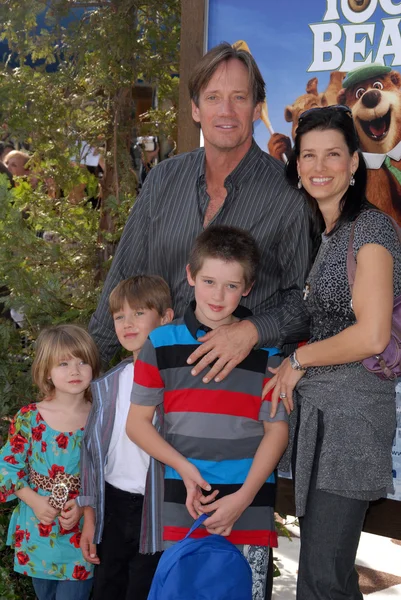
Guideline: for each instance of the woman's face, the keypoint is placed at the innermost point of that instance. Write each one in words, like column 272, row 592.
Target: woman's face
column 325, row 165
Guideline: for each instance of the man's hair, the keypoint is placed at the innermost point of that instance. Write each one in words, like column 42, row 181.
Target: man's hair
column 229, row 244
column 141, row 291
column 57, row 343
column 224, row 52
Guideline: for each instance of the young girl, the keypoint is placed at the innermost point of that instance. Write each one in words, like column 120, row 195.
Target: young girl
column 40, row 465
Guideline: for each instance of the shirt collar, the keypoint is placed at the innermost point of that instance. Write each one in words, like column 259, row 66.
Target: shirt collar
column 375, row 161
column 194, row 325
column 244, row 168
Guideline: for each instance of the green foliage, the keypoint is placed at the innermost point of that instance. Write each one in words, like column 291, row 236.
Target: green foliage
column 55, row 249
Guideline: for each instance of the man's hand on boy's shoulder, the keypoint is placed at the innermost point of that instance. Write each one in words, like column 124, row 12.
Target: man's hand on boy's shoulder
column 228, row 345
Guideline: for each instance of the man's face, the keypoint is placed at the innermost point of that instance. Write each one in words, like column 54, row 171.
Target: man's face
column 226, row 109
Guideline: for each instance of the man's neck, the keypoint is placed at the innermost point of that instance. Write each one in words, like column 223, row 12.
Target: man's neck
column 220, row 164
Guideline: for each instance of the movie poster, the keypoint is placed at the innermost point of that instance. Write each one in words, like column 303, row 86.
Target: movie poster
column 323, row 52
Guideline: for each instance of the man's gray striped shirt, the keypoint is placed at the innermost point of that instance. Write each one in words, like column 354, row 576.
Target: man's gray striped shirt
column 169, row 214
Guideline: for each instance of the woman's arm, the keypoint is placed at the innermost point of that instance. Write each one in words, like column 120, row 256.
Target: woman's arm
column 372, row 300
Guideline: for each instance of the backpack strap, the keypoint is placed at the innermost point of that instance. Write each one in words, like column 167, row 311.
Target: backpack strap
column 351, row 262
column 197, row 523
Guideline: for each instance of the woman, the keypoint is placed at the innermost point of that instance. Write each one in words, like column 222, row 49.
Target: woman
column 346, row 414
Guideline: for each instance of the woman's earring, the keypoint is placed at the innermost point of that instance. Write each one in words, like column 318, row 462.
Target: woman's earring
column 300, row 182
column 352, row 180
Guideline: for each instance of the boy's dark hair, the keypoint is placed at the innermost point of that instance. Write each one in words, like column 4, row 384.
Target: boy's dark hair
column 141, row 291
column 228, row 244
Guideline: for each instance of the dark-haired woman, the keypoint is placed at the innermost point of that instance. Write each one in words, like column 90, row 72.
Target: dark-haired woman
column 346, row 419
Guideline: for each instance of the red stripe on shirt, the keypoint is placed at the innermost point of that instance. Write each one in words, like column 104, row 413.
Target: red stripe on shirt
column 255, row 537
column 220, row 402
column 147, row 375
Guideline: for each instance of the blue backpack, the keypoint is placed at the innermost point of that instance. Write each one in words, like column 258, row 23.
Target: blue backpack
column 209, row 568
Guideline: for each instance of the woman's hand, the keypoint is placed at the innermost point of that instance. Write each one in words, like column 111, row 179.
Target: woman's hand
column 70, row 515
column 284, row 381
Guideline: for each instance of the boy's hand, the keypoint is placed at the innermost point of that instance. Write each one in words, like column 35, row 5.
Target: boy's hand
column 194, row 483
column 88, row 548
column 70, row 515
column 44, row 512
column 227, row 512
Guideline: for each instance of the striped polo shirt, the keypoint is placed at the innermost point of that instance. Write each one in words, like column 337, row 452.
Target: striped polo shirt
column 216, row 426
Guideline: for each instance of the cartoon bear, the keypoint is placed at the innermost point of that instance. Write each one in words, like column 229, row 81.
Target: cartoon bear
column 279, row 143
column 358, row 5
column 373, row 92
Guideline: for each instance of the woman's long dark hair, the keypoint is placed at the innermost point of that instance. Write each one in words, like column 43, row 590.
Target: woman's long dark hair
column 354, row 200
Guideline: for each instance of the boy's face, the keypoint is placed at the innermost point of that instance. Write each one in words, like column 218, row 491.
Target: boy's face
column 219, row 287
column 133, row 325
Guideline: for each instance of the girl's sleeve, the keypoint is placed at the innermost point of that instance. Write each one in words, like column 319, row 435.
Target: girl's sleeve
column 14, row 456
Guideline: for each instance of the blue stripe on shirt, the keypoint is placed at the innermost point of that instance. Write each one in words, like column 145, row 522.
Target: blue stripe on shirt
column 220, row 472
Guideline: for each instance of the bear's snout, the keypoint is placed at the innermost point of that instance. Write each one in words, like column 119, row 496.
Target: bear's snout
column 372, row 98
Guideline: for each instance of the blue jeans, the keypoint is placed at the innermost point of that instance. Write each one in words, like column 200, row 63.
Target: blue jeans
column 51, row 589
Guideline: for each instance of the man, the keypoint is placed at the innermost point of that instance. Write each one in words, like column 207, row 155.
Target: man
column 229, row 181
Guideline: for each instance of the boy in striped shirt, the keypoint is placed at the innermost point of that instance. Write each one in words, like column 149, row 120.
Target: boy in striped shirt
column 221, row 446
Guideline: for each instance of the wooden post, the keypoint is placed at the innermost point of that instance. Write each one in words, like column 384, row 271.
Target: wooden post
column 191, row 51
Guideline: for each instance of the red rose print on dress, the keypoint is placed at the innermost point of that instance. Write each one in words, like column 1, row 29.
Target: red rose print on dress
column 45, row 530
column 27, row 535
column 44, row 447
column 17, row 443
column 11, row 460
column 75, row 539
column 22, row 558
column 21, row 474
column 54, row 470
column 37, row 432
column 80, row 573
column 11, row 430
column 28, row 408
column 18, row 536
column 62, row 441
column 74, row 529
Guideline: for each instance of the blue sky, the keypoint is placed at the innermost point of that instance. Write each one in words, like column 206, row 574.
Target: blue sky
column 278, row 35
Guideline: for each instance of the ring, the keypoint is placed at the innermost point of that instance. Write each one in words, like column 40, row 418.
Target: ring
column 283, row 395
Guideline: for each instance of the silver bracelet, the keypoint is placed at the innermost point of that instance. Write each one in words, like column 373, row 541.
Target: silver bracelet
column 295, row 364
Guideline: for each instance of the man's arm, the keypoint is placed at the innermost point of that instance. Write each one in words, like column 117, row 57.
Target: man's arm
column 228, row 345
column 130, row 259
column 288, row 322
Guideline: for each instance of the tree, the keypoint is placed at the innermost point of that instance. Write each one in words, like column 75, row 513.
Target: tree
column 68, row 77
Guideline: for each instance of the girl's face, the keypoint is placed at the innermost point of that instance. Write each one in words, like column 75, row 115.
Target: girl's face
column 325, row 165
column 71, row 375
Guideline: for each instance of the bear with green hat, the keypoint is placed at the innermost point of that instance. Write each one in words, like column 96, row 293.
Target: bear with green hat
column 363, row 73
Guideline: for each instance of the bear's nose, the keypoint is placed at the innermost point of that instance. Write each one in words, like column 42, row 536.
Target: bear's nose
column 371, row 98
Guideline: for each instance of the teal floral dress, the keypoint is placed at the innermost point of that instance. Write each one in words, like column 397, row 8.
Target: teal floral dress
column 44, row 551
